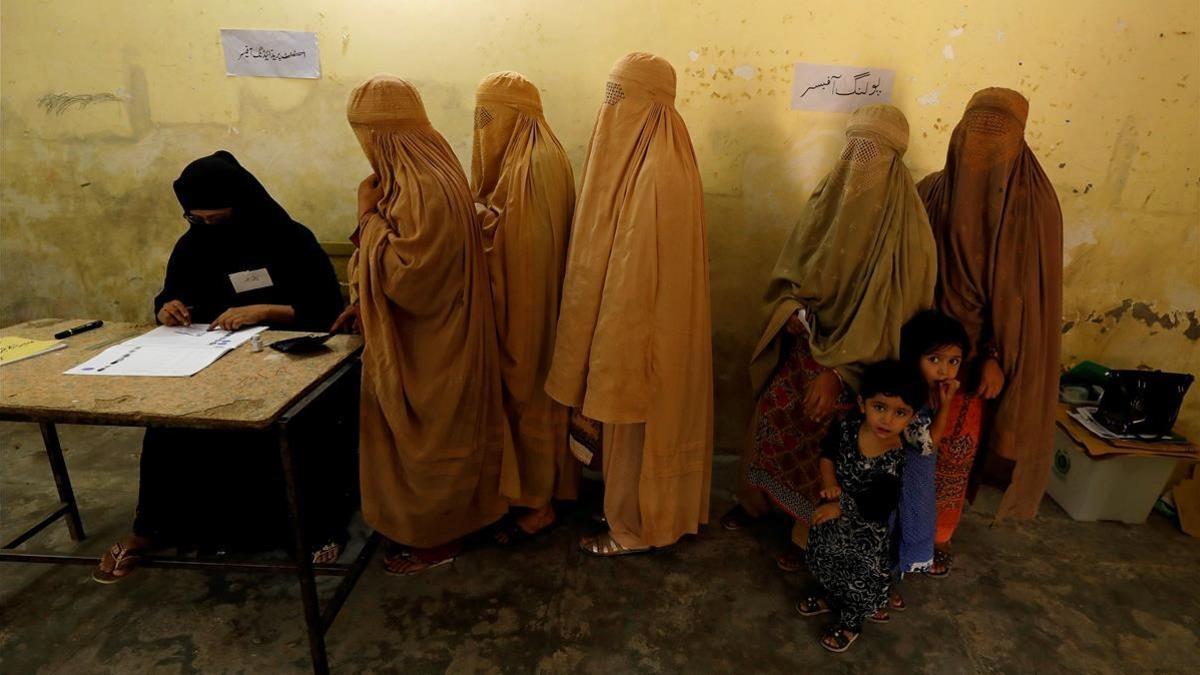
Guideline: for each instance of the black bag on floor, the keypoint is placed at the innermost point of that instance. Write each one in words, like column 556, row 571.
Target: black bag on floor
column 1142, row 401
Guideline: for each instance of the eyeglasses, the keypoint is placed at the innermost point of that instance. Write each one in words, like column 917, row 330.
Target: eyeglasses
column 211, row 219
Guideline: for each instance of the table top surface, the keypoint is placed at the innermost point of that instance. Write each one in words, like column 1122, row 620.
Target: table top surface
column 243, row 390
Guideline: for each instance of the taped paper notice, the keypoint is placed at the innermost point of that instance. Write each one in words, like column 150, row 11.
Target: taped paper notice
column 271, row 53
column 840, row 88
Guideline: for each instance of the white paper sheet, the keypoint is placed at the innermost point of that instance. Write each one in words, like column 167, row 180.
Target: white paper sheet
column 1085, row 416
column 196, row 335
column 166, row 351
column 271, row 53
column 829, row 88
column 149, row 360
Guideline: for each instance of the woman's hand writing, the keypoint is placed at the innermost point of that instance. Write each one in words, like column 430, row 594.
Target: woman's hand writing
column 174, row 313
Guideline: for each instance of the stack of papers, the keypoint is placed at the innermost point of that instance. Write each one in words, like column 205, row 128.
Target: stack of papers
column 166, row 351
column 13, row 349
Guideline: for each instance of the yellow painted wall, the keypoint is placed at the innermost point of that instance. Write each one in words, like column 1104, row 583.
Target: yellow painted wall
column 87, row 216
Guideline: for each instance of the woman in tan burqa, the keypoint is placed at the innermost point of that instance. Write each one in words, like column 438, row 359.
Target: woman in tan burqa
column 432, row 424
column 524, row 196
column 634, row 345
column 998, row 227
column 858, row 264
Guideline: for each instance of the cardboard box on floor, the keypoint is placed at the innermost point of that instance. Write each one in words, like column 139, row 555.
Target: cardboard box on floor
column 1187, row 503
column 1186, row 493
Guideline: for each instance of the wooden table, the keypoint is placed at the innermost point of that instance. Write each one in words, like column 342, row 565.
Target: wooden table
column 244, row 390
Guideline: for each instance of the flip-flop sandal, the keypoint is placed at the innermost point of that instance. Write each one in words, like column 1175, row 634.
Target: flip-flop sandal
column 327, row 554
column 736, row 518
column 406, row 564
column 123, row 560
column 604, row 546
column 941, row 559
column 841, row 639
column 813, row 606
column 896, row 602
column 791, row 560
column 881, row 615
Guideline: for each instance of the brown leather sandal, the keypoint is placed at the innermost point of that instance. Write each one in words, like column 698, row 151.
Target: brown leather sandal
column 120, row 561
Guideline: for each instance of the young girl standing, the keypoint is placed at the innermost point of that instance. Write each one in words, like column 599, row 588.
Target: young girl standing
column 934, row 345
column 861, row 462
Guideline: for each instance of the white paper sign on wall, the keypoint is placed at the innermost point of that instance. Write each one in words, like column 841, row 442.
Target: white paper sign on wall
column 271, row 53
column 831, row 88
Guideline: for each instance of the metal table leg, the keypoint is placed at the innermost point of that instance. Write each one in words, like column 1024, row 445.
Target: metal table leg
column 62, row 480
column 316, row 622
column 301, row 555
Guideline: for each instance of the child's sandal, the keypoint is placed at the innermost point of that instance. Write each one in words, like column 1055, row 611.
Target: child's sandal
column 791, row 560
column 837, row 639
column 812, row 606
column 941, row 564
column 736, row 518
column 896, row 602
column 881, row 615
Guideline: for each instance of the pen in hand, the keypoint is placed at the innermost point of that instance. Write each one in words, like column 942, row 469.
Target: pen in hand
column 175, row 313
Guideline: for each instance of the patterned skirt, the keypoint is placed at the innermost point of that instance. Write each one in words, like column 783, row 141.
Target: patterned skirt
column 849, row 558
column 956, row 456
column 787, row 442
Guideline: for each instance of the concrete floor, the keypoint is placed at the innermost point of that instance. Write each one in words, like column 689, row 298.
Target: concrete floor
column 1050, row 596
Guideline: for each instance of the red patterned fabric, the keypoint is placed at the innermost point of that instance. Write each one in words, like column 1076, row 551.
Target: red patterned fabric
column 787, row 442
column 956, row 456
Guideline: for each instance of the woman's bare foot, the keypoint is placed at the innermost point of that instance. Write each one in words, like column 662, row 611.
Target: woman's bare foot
column 512, row 530
column 537, row 520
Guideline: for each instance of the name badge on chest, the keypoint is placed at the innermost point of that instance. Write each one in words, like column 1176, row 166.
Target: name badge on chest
column 251, row 280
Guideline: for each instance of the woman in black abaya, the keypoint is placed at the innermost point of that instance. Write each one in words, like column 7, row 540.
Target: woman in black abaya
column 242, row 262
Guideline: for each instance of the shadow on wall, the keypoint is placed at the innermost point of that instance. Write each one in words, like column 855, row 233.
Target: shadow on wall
column 747, row 224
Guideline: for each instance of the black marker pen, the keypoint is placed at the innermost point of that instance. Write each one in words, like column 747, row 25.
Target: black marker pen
column 78, row 329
